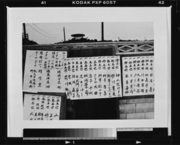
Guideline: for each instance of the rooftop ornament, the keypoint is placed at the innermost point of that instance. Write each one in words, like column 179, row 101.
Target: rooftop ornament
column 77, row 36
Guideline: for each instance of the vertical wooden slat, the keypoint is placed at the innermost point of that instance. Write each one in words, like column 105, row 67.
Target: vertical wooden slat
column 135, row 48
column 115, row 49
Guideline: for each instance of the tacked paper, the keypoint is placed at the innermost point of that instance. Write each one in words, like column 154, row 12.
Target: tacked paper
column 43, row 71
column 41, row 107
column 138, row 75
column 92, row 77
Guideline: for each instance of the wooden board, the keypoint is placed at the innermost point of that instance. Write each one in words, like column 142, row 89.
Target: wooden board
column 138, row 75
column 43, row 71
column 39, row 106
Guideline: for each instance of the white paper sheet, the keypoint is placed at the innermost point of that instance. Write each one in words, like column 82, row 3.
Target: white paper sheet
column 43, row 71
column 138, row 75
column 41, row 107
column 92, row 77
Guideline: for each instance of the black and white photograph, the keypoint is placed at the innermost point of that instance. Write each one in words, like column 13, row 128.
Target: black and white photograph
column 88, row 68
column 104, row 69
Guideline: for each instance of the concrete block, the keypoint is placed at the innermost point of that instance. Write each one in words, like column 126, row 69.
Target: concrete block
column 127, row 108
column 122, row 101
column 133, row 101
column 123, row 116
column 149, row 100
column 149, row 115
column 136, row 116
column 144, row 107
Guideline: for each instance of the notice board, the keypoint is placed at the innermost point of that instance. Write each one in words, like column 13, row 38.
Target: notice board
column 43, row 71
column 44, row 106
column 138, row 75
column 92, row 77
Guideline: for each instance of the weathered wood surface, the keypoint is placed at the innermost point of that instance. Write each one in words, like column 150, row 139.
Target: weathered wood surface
column 119, row 47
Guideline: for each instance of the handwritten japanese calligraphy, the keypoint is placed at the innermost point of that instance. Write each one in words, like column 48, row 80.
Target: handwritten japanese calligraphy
column 138, row 75
column 43, row 71
column 92, row 77
column 41, row 107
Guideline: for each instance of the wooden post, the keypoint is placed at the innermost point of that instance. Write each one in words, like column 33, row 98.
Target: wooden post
column 64, row 34
column 102, row 31
column 115, row 49
column 24, row 28
column 135, row 48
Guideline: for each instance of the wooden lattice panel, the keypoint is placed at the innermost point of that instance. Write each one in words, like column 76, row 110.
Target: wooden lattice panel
column 145, row 47
column 125, row 48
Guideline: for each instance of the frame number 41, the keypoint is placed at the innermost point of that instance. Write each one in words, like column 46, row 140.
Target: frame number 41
column 43, row 2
